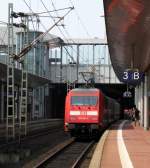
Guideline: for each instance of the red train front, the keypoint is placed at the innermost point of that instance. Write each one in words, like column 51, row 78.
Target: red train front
column 87, row 111
column 82, row 111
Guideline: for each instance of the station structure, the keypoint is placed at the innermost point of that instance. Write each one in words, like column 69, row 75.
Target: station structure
column 38, row 68
column 28, row 86
column 128, row 38
column 49, row 69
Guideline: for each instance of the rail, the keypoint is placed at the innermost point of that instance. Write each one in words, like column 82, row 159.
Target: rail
column 75, row 150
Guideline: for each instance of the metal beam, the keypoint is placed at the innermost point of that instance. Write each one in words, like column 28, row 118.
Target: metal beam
column 78, row 62
column 10, row 117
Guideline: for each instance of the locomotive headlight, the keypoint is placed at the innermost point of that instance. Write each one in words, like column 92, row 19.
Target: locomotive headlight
column 66, row 124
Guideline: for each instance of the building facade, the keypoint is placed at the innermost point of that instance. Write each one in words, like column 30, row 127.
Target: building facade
column 36, row 63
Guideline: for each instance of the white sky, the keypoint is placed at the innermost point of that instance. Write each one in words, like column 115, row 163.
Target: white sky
column 90, row 12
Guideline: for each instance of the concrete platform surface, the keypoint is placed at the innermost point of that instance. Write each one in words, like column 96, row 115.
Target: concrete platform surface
column 125, row 146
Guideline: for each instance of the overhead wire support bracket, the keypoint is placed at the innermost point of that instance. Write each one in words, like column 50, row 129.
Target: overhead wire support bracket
column 36, row 40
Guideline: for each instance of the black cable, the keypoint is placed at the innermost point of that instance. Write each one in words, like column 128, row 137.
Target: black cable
column 66, row 31
column 31, row 11
column 79, row 18
column 39, row 13
column 36, row 13
column 58, row 29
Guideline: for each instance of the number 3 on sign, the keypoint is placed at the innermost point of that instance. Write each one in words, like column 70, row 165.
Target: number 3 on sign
column 125, row 75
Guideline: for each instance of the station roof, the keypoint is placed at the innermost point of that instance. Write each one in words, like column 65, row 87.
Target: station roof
column 33, row 80
column 91, row 41
column 128, row 34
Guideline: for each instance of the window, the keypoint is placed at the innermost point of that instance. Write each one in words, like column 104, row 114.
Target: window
column 83, row 100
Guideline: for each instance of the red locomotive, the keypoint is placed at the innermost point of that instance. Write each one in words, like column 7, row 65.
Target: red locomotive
column 88, row 111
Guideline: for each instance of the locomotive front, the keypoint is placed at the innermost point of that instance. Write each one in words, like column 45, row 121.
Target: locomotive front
column 82, row 112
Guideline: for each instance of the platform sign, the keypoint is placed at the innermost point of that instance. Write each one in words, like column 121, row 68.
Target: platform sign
column 127, row 94
column 131, row 76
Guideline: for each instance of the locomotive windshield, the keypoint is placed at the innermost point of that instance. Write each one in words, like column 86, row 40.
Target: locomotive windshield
column 83, row 100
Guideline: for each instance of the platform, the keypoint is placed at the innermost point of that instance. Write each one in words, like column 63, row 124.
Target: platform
column 124, row 145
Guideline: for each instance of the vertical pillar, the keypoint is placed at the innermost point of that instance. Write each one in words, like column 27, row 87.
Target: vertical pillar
column 109, row 67
column 146, row 116
column 10, row 115
column 2, row 102
column 93, row 55
column 61, row 59
column 33, row 105
column 136, row 96
column 142, row 104
column 78, row 52
column 104, row 63
column 93, row 68
column 55, row 65
column 140, row 97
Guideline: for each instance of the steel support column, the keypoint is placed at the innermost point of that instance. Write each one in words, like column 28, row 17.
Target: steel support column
column 142, row 104
column 10, row 116
column 146, row 115
column 61, row 59
column 140, row 95
column 93, row 55
column 136, row 96
column 138, row 105
column 78, row 53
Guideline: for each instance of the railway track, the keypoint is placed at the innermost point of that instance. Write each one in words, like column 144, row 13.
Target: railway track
column 27, row 138
column 68, row 155
column 31, row 148
column 33, row 126
column 16, row 145
column 35, row 129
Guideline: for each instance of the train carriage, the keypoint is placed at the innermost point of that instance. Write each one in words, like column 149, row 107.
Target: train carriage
column 88, row 111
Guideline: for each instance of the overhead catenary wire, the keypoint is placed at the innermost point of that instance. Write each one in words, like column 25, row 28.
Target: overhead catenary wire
column 58, row 29
column 52, row 17
column 55, row 10
column 37, row 39
column 71, row 40
column 2, row 22
column 61, row 9
column 66, row 32
column 32, row 13
column 44, row 26
column 79, row 18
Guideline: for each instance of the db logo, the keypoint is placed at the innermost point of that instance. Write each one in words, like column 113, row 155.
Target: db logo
column 83, row 113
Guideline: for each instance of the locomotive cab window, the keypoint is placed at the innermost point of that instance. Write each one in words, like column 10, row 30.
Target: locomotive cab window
column 84, row 100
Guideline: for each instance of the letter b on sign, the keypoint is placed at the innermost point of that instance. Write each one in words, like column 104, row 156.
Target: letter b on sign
column 136, row 76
